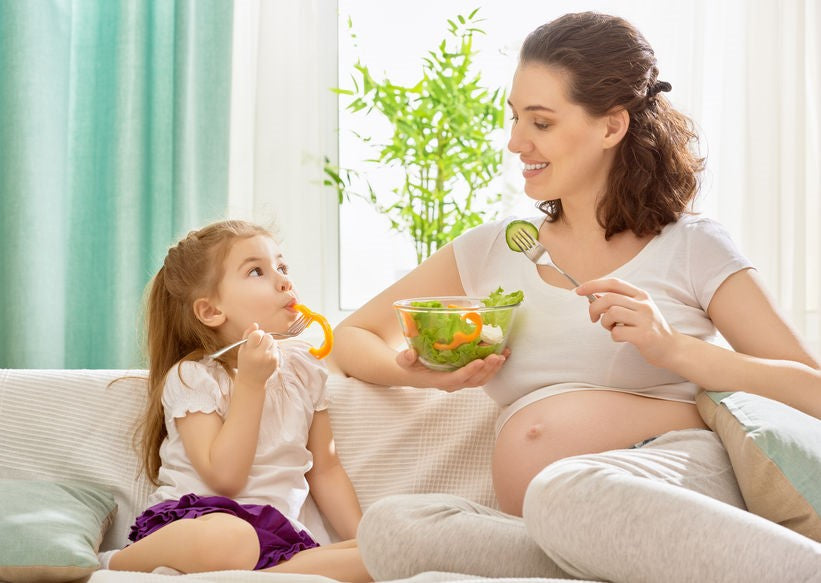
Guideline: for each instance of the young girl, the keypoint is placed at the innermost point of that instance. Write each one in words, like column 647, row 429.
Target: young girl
column 234, row 443
column 600, row 448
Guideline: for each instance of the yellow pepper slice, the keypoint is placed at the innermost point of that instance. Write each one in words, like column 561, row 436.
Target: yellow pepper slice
column 328, row 343
column 460, row 338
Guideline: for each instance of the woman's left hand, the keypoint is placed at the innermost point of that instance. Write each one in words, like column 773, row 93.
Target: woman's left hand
column 630, row 315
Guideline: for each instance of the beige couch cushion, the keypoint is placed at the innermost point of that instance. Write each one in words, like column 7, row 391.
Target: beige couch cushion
column 76, row 425
column 396, row 440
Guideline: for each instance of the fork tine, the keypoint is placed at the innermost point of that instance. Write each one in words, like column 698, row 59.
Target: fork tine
column 521, row 244
column 528, row 237
column 298, row 325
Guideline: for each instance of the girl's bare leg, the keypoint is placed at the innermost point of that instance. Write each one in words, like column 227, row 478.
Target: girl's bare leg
column 339, row 561
column 214, row 542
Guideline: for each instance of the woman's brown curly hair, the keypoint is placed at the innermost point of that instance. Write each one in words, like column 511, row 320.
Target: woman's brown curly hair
column 610, row 65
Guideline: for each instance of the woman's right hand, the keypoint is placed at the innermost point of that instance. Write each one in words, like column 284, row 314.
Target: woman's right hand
column 473, row 374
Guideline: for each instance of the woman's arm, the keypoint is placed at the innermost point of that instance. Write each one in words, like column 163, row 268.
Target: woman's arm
column 328, row 481
column 367, row 340
column 768, row 357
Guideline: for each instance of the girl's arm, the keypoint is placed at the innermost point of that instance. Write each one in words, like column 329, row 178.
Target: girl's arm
column 222, row 451
column 328, row 481
column 768, row 358
column 373, row 330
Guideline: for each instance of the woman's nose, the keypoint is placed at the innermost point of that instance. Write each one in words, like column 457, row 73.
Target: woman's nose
column 515, row 144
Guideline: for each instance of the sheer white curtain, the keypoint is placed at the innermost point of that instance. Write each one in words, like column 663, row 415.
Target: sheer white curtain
column 747, row 71
column 764, row 148
column 779, row 204
column 283, row 123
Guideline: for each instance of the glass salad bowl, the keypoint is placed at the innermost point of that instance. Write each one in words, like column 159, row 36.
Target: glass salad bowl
column 448, row 332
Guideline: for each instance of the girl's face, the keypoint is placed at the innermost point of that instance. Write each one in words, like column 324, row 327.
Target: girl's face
column 254, row 288
column 559, row 144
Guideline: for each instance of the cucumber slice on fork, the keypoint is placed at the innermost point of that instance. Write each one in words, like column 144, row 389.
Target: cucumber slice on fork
column 516, row 226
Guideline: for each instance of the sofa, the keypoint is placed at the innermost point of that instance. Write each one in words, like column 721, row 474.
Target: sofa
column 66, row 438
column 70, row 480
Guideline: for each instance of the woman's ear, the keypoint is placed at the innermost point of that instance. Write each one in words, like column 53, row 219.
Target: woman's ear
column 617, row 123
column 207, row 313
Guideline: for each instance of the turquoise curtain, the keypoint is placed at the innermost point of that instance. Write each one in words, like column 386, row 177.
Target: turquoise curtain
column 114, row 133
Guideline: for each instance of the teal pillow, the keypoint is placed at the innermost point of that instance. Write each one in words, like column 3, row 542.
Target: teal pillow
column 51, row 531
column 775, row 451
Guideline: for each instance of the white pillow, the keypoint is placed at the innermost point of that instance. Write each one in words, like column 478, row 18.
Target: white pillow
column 71, row 425
column 74, row 425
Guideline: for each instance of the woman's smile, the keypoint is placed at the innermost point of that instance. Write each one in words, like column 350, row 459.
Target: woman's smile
column 530, row 170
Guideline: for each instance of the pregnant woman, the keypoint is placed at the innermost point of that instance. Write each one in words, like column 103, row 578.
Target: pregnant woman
column 599, row 446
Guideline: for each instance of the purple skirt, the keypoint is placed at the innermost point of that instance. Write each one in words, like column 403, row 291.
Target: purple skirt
column 278, row 539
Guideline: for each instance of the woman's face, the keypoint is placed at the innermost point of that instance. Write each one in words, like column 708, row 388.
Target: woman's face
column 559, row 144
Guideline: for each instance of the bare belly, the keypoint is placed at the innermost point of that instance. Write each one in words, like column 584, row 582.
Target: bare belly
column 576, row 423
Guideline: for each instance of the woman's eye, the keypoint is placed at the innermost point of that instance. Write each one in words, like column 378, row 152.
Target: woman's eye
column 283, row 269
column 256, row 272
column 514, row 119
column 541, row 125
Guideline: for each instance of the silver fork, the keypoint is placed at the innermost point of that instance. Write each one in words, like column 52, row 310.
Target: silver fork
column 537, row 253
column 294, row 329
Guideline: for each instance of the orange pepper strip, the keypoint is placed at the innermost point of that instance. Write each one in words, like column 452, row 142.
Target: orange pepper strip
column 460, row 338
column 328, row 343
column 409, row 324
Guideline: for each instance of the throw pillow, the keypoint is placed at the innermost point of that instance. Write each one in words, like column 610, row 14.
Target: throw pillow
column 51, row 531
column 775, row 451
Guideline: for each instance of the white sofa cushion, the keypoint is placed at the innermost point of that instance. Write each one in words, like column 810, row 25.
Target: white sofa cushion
column 72, row 425
column 397, row 440
column 78, row 425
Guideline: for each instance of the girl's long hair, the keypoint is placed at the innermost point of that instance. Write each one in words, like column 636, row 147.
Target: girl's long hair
column 191, row 270
column 610, row 65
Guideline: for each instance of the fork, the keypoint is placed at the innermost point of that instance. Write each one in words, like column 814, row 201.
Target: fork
column 294, row 329
column 539, row 255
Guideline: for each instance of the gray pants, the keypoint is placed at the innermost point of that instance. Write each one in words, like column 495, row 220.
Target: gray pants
column 668, row 511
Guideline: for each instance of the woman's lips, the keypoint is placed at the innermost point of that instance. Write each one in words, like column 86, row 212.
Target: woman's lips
column 531, row 170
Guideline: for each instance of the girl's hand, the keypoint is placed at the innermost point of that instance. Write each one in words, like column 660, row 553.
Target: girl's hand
column 630, row 315
column 258, row 358
column 473, row 374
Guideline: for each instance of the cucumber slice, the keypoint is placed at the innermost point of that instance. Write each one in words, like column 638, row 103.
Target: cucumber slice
column 515, row 227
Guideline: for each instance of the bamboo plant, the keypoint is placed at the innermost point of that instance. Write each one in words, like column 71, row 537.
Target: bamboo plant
column 442, row 143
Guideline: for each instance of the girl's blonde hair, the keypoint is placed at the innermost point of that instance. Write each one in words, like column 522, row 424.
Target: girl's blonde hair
column 192, row 269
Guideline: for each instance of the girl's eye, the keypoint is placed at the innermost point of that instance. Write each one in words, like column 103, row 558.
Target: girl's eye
column 541, row 125
column 283, row 269
column 256, row 272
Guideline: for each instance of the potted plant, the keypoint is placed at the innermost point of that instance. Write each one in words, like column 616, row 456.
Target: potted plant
column 442, row 143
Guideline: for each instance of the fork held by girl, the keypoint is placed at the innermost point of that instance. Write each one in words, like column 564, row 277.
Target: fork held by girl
column 234, row 443
column 599, row 446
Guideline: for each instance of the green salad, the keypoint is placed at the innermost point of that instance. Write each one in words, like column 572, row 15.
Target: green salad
column 449, row 340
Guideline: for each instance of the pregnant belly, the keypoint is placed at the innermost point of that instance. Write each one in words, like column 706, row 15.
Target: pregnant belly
column 576, row 423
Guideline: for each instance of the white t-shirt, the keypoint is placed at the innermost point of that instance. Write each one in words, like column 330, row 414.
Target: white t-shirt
column 554, row 346
column 292, row 394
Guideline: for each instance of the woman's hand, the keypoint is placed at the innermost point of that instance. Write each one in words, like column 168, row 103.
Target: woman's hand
column 630, row 315
column 474, row 374
column 258, row 358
